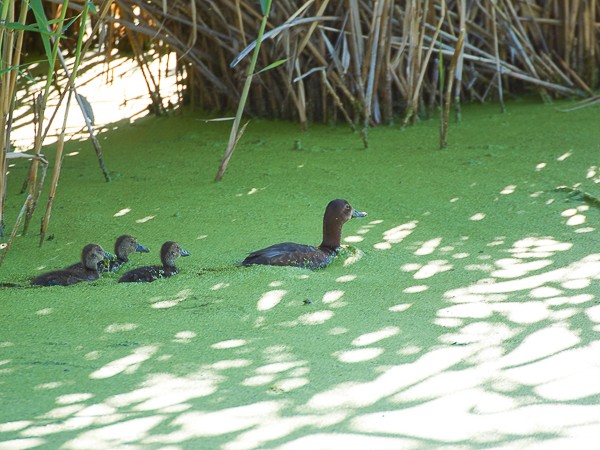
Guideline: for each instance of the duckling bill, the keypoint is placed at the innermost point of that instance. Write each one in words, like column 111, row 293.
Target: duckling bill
column 91, row 256
column 169, row 252
column 337, row 213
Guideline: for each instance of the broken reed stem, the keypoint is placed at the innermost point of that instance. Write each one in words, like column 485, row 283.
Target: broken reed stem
column 448, row 94
column 15, row 228
column 233, row 136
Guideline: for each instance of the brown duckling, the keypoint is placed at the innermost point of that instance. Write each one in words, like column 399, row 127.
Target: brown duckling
column 337, row 213
column 169, row 252
column 124, row 246
column 91, row 255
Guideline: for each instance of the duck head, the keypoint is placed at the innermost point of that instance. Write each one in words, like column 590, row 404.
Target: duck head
column 92, row 254
column 125, row 245
column 337, row 213
column 170, row 251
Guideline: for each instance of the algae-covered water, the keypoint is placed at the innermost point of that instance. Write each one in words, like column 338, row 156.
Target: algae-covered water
column 465, row 312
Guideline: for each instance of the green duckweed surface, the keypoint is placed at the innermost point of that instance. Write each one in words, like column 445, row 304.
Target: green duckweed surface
column 465, row 313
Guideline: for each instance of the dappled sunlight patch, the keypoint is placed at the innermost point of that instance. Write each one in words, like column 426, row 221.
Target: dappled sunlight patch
column 230, row 343
column 523, row 313
column 289, row 384
column 258, row 380
column 576, row 217
column 540, row 166
column 122, row 212
column 315, row 318
column 477, row 217
column 427, row 248
column 73, row 398
column 587, row 268
column 226, row 364
column 415, row 289
column 345, row 278
column 465, row 416
column 194, row 424
column 534, row 247
column 396, row 235
column 563, row 375
column 163, row 390
column 162, row 303
column 145, row 219
column 411, row 267
column 128, row 364
column 584, row 230
column 61, row 412
column 545, row 292
column 44, row 311
column 332, row 296
column 487, row 335
column 540, row 344
column 354, row 239
column 358, row 355
column 593, row 313
column 564, row 156
column 514, row 267
column 184, row 337
column 115, row 435
column 120, row 327
column 14, row 426
column 508, row 189
column 400, row 307
column 431, row 269
column 270, row 299
column 390, row 382
column 50, row 385
column 218, row 286
column 336, row 331
column 279, row 367
column 467, row 310
column 350, row 441
column 448, row 322
column 461, row 255
column 18, row 444
column 376, row 336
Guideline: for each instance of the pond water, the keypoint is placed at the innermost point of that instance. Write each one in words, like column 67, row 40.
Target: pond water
column 464, row 312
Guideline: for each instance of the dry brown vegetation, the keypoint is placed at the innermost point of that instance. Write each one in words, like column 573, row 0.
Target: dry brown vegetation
column 368, row 62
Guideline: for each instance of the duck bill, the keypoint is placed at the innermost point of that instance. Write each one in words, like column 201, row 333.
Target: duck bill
column 184, row 253
column 356, row 213
column 141, row 248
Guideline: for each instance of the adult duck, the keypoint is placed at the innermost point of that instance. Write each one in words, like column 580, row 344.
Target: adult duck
column 124, row 246
column 91, row 256
column 169, row 252
column 337, row 213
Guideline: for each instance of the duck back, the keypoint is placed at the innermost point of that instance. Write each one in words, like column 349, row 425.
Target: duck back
column 65, row 277
column 291, row 254
column 147, row 274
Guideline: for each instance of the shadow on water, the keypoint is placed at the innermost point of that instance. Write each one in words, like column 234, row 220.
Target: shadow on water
column 471, row 319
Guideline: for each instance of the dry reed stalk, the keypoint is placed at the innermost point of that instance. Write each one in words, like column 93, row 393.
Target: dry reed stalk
column 448, row 93
column 34, row 186
column 496, row 52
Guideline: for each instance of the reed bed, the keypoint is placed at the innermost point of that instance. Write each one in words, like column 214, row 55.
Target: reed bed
column 370, row 62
